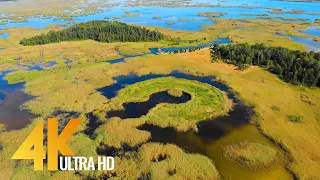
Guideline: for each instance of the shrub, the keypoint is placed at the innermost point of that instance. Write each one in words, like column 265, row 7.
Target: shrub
column 295, row 118
column 275, row 108
column 175, row 92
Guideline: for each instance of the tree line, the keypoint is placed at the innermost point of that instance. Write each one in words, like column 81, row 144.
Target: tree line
column 296, row 67
column 102, row 31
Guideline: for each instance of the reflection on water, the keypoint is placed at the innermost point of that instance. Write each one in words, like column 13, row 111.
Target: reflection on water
column 11, row 115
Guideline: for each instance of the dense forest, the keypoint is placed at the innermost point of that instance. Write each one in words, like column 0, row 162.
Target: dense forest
column 296, row 67
column 102, row 31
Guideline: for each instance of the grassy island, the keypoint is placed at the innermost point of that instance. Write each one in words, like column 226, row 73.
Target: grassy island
column 170, row 23
column 251, row 155
column 207, row 101
column 211, row 14
column 102, row 31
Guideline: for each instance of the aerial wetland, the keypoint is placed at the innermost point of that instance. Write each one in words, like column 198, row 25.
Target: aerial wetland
column 171, row 89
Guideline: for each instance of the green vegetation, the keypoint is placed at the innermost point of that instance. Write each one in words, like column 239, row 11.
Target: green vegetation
column 206, row 102
column 175, row 92
column 292, row 66
column 212, row 14
column 275, row 108
column 102, row 31
column 295, row 118
column 251, row 155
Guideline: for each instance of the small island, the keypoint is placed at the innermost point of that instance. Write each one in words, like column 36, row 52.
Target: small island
column 211, row 14
column 170, row 23
column 251, row 155
column 102, row 31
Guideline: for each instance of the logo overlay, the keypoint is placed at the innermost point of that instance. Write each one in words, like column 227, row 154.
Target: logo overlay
column 32, row 148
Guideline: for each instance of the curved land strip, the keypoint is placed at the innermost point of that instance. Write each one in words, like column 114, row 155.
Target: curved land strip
column 206, row 102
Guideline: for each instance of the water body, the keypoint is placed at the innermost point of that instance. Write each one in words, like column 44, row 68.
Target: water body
column 136, row 110
column 309, row 43
column 213, row 135
column 5, row 36
column 5, row 86
column 12, row 97
column 166, row 50
column 191, row 21
column 11, row 114
column 171, row 49
column 313, row 31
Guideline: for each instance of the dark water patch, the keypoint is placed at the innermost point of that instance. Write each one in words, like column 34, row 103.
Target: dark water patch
column 116, row 61
column 136, row 110
column 1, row 49
column 208, row 130
column 2, row 95
column 92, row 125
column 122, row 81
column 12, row 116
